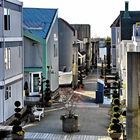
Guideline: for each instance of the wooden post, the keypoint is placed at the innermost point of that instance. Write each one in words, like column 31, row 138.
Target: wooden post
column 133, row 96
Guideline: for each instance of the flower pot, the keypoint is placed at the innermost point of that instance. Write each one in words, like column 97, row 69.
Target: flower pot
column 4, row 133
column 17, row 137
column 70, row 125
column 115, row 135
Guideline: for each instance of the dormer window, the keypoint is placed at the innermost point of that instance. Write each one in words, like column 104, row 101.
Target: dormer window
column 6, row 19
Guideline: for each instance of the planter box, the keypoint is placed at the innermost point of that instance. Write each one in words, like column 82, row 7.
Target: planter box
column 70, row 125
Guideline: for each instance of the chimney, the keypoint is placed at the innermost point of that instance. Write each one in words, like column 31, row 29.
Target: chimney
column 126, row 5
column 126, row 12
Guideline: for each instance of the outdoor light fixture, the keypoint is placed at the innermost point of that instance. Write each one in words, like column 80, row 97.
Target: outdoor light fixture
column 34, row 44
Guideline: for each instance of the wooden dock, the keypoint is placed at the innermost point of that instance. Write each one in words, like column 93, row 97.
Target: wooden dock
column 50, row 136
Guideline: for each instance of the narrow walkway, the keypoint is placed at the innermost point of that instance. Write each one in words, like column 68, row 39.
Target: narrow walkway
column 93, row 118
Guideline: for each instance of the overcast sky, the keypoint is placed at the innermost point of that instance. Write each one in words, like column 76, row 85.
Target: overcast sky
column 98, row 13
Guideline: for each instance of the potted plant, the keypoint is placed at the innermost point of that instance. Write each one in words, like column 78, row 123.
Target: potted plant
column 69, row 119
column 115, row 130
column 18, row 134
column 4, row 133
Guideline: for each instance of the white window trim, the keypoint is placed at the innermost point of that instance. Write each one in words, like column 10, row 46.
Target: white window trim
column 9, row 80
column 9, row 39
column 7, row 58
column 32, row 85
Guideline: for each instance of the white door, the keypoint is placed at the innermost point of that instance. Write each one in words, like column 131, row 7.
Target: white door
column 35, row 85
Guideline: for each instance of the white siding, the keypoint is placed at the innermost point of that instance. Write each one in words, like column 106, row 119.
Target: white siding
column 16, row 95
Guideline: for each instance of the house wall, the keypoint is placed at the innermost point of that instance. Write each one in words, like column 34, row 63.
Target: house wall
column 124, row 47
column 66, row 39
column 15, row 24
column 32, row 53
column 1, row 104
column 52, row 61
column 83, row 34
column 16, row 95
column 83, row 31
column 14, row 75
column 1, row 64
column 15, row 20
column 115, row 39
column 16, row 62
column 1, row 19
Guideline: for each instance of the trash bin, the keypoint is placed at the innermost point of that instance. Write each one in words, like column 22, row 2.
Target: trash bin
column 100, row 91
column 100, row 85
column 99, row 97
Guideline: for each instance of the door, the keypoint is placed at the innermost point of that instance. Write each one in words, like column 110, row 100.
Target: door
column 35, row 87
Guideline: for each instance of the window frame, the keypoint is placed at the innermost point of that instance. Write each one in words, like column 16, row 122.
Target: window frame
column 8, row 92
column 7, row 58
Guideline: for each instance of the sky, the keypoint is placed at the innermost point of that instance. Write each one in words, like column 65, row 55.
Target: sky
column 100, row 14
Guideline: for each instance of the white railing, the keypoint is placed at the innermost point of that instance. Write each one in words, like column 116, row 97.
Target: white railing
column 65, row 78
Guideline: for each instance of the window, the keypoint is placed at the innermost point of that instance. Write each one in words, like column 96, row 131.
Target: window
column 55, row 51
column 6, row 19
column 7, row 58
column 7, row 92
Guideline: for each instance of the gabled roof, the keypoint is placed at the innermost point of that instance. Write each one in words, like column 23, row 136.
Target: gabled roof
column 116, row 22
column 134, row 16
column 38, row 21
column 68, row 25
